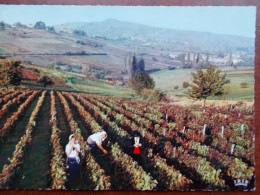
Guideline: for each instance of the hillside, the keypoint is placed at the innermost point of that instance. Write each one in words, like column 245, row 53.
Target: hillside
column 102, row 54
column 71, row 82
column 108, row 44
column 161, row 37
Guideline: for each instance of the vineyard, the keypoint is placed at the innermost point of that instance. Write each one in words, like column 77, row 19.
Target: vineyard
column 184, row 148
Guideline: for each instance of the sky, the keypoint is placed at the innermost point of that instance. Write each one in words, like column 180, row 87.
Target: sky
column 221, row 20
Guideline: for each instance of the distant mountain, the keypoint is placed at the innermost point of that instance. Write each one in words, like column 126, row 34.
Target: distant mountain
column 163, row 37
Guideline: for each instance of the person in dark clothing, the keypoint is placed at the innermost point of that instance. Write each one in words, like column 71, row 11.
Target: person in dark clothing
column 134, row 145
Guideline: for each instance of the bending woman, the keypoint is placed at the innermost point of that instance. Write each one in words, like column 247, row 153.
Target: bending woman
column 72, row 151
column 95, row 140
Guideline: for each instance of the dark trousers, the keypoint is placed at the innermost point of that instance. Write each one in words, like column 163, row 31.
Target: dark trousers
column 73, row 168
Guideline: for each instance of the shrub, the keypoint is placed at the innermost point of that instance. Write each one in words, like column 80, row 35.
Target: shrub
column 185, row 84
column 141, row 81
column 244, row 85
column 152, row 95
column 45, row 80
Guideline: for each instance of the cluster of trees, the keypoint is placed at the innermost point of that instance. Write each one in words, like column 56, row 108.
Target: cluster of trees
column 79, row 33
column 204, row 83
column 141, row 82
column 135, row 65
column 42, row 26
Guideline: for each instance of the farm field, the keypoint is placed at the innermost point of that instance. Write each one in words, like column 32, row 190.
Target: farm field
column 184, row 148
column 168, row 79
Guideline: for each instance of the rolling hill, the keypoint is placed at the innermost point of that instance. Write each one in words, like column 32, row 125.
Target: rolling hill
column 107, row 45
column 161, row 37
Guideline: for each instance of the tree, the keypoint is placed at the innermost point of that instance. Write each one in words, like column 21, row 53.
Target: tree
column 176, row 87
column 2, row 25
column 141, row 65
column 46, row 80
column 141, row 81
column 40, row 25
column 208, row 83
column 10, row 72
column 51, row 29
column 135, row 65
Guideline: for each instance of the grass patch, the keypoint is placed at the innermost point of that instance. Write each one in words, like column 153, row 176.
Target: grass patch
column 89, row 86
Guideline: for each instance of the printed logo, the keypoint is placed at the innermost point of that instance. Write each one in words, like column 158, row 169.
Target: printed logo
column 241, row 182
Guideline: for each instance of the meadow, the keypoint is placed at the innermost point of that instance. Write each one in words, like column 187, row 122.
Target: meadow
column 167, row 80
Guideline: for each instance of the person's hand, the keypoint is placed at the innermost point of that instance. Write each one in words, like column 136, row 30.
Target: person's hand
column 105, row 152
column 137, row 145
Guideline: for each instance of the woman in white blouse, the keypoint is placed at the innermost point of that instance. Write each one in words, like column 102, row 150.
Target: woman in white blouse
column 95, row 140
column 72, row 152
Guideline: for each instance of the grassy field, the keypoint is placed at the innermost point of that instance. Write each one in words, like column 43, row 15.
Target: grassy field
column 167, row 80
column 89, row 86
column 80, row 84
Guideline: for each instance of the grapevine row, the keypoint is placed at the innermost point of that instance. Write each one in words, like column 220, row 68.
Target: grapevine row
column 236, row 169
column 58, row 166
column 173, row 179
column 229, row 134
column 125, row 161
column 124, row 122
column 95, row 172
column 220, row 141
column 201, row 165
column 136, row 176
column 6, row 93
column 11, row 121
column 13, row 102
column 17, row 156
column 230, row 163
column 8, row 97
column 214, row 181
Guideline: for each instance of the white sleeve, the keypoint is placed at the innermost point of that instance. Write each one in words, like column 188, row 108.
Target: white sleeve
column 98, row 141
column 95, row 137
column 68, row 146
column 78, row 147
